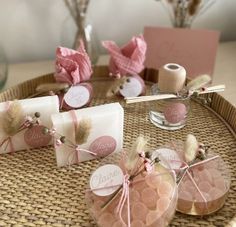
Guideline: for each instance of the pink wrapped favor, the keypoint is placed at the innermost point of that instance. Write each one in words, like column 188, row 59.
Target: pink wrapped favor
column 145, row 195
column 74, row 68
column 203, row 180
column 128, row 61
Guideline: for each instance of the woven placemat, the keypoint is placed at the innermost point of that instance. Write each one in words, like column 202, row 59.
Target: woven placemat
column 34, row 192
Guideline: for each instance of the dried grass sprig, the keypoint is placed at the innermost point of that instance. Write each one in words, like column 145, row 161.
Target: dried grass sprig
column 116, row 86
column 13, row 118
column 132, row 156
column 83, row 131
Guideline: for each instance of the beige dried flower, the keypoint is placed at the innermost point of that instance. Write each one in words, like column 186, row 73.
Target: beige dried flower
column 13, row 118
column 83, row 131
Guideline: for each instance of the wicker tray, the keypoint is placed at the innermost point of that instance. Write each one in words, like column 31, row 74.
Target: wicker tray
column 34, row 192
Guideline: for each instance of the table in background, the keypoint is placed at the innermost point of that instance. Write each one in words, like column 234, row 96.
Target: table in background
column 225, row 70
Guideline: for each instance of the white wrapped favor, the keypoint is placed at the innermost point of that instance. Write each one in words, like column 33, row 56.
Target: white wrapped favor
column 104, row 137
column 28, row 132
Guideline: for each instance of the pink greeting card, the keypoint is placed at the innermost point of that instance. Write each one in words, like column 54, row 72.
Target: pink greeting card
column 194, row 49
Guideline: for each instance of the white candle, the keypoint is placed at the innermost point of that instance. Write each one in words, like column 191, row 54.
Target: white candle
column 46, row 106
column 171, row 78
column 106, row 134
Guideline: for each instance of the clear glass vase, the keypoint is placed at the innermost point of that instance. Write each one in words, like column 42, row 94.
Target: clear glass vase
column 169, row 114
column 3, row 68
column 71, row 34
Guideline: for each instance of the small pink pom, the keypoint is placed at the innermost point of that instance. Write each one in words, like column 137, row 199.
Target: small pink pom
column 175, row 112
column 139, row 211
column 149, row 197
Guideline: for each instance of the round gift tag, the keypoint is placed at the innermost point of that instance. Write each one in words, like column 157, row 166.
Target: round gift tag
column 103, row 179
column 133, row 87
column 77, row 96
column 170, row 156
column 35, row 137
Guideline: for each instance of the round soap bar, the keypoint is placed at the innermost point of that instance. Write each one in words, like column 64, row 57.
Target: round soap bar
column 171, row 78
column 133, row 87
column 175, row 112
column 77, row 96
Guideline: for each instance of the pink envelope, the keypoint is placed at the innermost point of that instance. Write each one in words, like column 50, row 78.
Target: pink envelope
column 192, row 48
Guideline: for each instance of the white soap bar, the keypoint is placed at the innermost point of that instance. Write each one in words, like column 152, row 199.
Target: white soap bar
column 46, row 106
column 106, row 134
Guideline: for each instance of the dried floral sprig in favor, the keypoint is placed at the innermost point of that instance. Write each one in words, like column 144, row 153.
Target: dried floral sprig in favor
column 13, row 118
column 83, row 131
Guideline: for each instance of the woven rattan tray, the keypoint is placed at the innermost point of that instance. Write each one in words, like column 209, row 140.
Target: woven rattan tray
column 34, row 192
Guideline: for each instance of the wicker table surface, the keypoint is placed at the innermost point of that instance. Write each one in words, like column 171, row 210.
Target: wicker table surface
column 34, row 192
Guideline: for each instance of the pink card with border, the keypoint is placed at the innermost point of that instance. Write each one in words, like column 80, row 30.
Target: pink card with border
column 192, row 48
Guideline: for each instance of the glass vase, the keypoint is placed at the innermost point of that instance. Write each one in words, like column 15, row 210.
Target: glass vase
column 71, row 35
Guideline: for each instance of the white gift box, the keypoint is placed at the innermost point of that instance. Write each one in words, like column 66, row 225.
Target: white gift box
column 46, row 106
column 105, row 137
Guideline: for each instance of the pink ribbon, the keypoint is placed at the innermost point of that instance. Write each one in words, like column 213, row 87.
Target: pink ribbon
column 76, row 147
column 124, row 197
column 8, row 140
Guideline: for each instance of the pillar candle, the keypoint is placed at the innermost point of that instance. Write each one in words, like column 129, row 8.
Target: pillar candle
column 171, row 78
column 46, row 106
column 105, row 136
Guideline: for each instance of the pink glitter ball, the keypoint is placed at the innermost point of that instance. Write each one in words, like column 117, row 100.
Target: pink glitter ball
column 175, row 112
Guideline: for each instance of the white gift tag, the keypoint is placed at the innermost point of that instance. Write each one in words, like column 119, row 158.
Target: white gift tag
column 133, row 88
column 170, row 156
column 77, row 96
column 103, row 179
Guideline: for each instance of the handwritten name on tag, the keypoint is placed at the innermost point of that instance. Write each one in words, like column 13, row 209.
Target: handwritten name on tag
column 106, row 180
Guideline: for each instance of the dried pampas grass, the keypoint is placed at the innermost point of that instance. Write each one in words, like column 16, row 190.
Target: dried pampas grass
column 116, row 85
column 13, row 118
column 83, row 131
column 198, row 82
column 133, row 155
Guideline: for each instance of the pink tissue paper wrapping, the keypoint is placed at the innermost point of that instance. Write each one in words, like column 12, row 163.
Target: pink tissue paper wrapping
column 72, row 66
column 128, row 59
